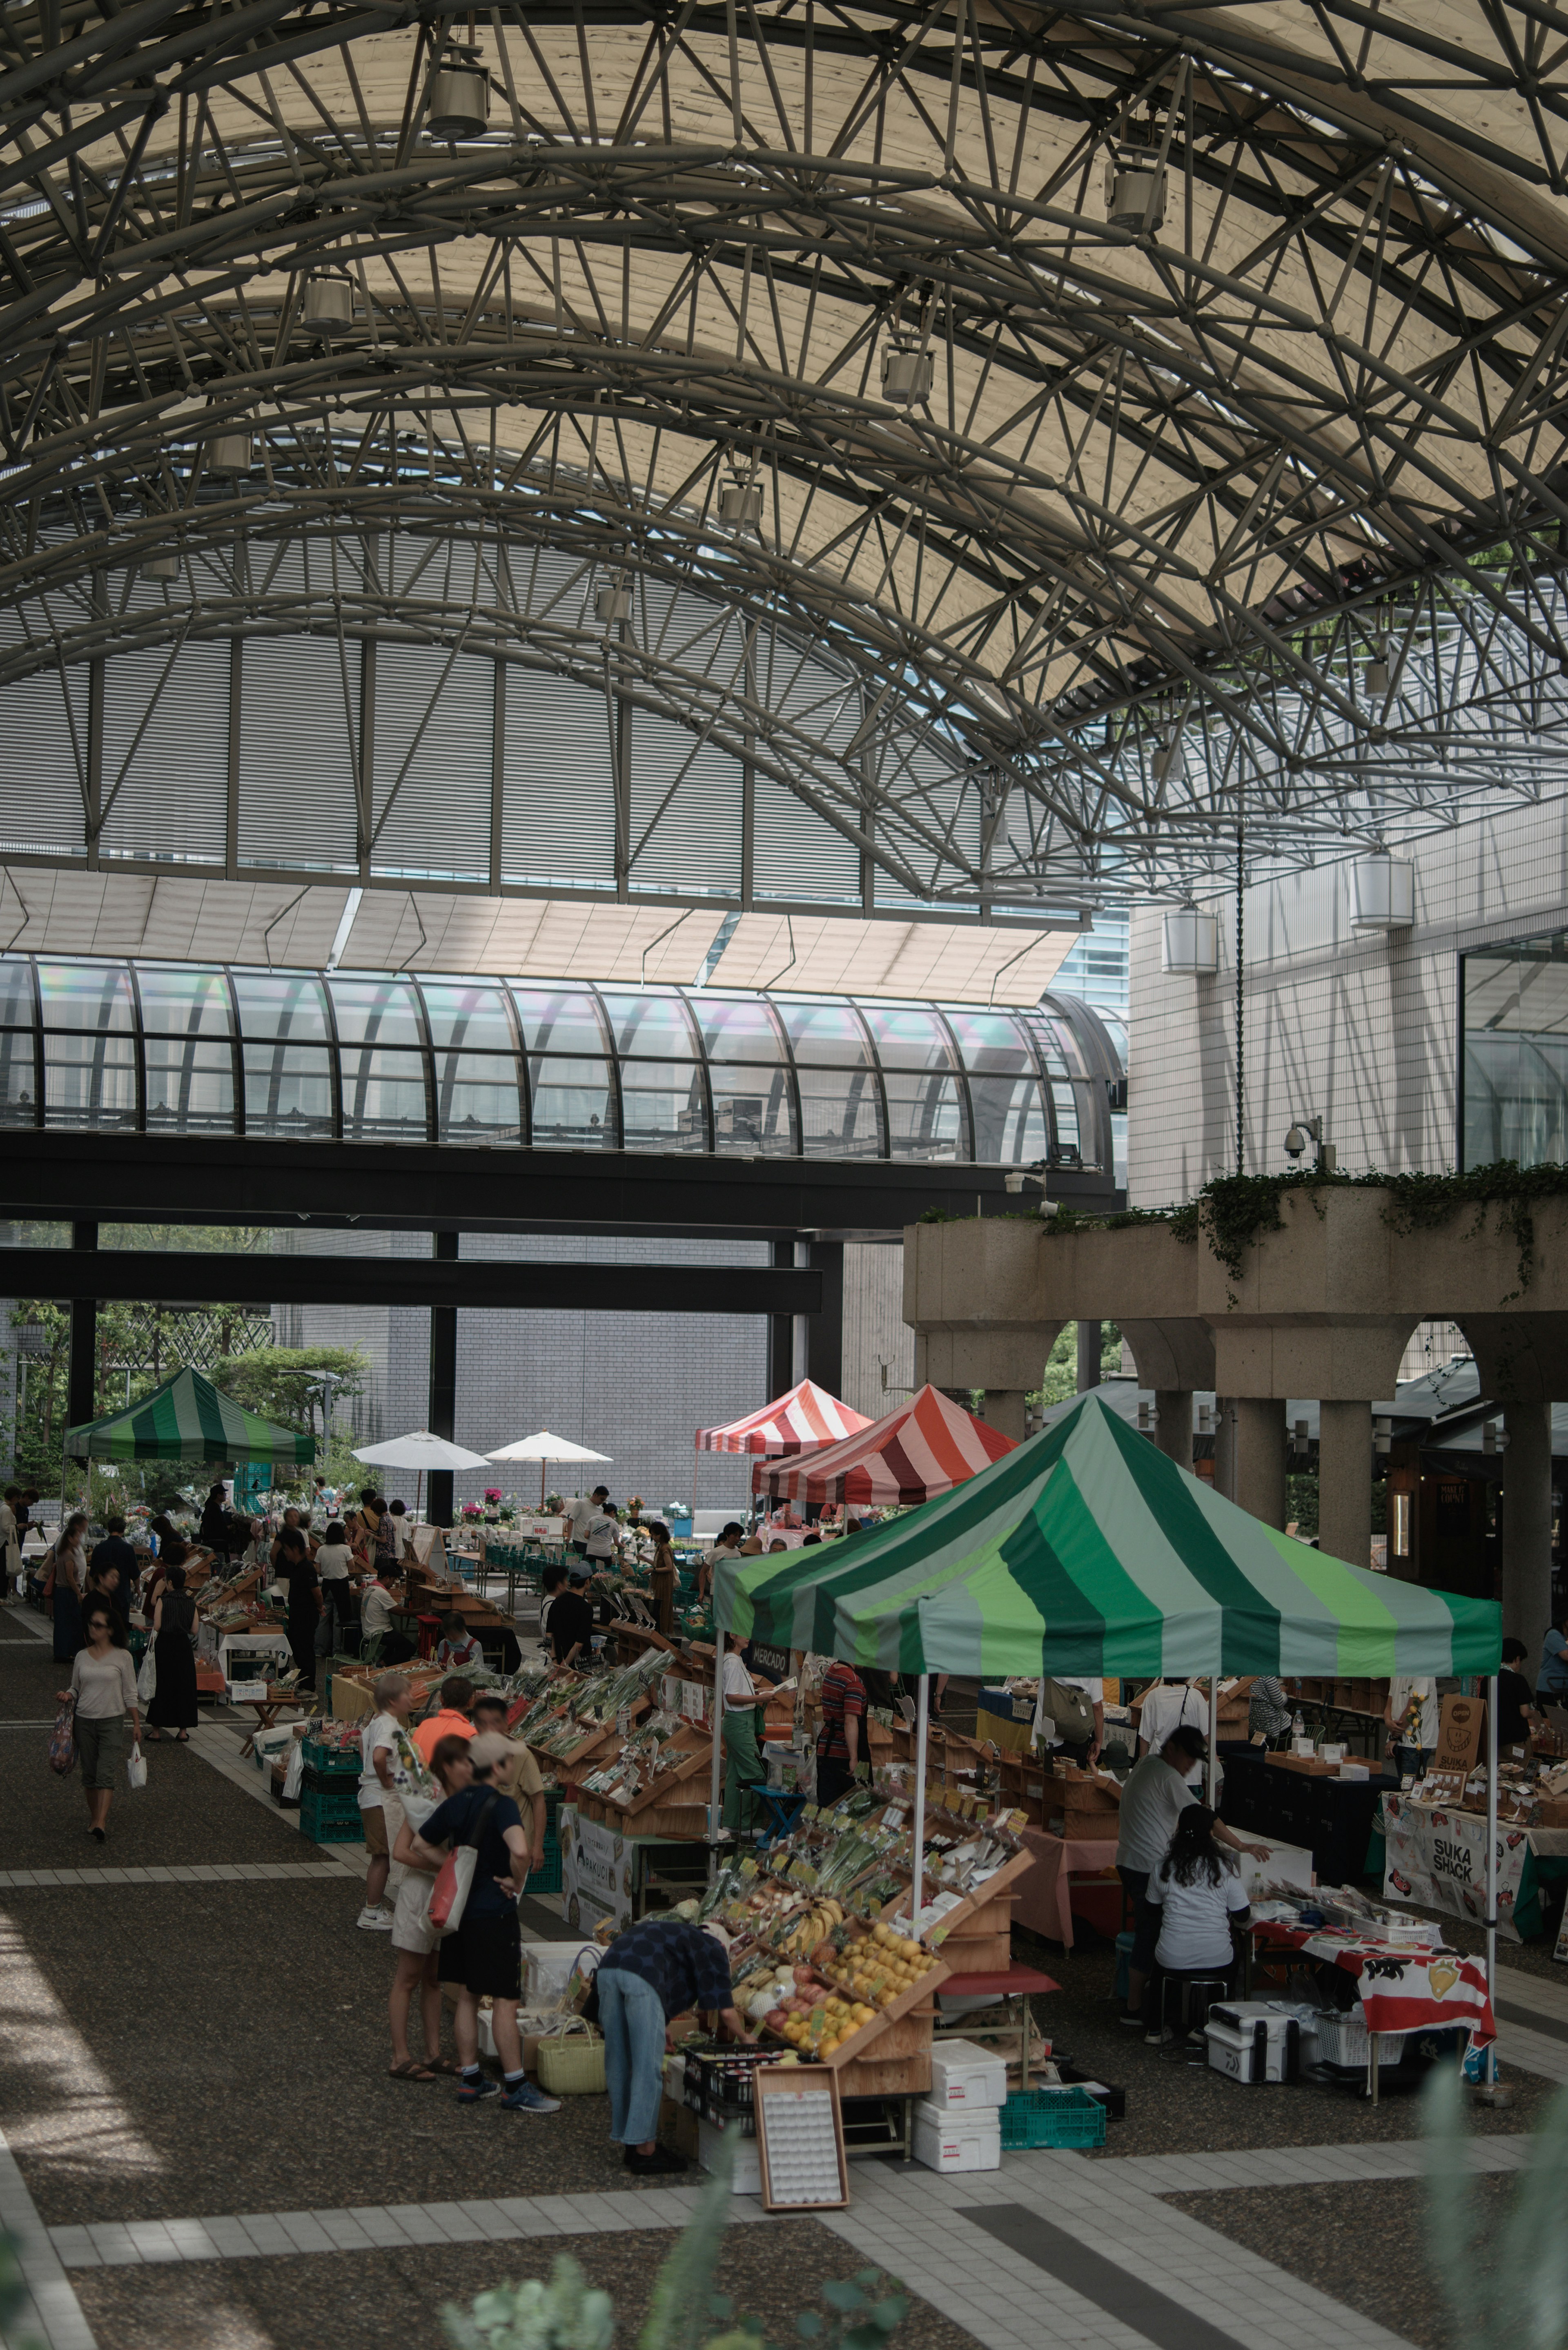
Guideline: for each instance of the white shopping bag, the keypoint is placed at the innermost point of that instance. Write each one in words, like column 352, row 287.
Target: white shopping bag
column 147, row 1679
column 136, row 1769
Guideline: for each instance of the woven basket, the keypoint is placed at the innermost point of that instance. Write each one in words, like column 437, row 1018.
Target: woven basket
column 571, row 2063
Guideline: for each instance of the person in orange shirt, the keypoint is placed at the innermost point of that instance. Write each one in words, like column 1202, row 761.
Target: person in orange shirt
column 451, row 1721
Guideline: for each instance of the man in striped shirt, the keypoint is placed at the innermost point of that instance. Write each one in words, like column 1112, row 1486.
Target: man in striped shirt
column 838, row 1740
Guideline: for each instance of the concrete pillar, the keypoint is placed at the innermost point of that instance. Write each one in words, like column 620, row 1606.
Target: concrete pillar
column 1225, row 1446
column 1527, row 1522
column 1259, row 1471
column 442, row 1404
column 81, row 1385
column 1004, row 1410
column 1088, row 1355
column 1173, row 1429
column 781, row 1331
column 825, row 1331
column 1345, row 1481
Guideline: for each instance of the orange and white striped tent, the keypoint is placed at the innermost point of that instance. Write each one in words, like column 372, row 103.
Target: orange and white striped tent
column 807, row 1416
column 926, row 1446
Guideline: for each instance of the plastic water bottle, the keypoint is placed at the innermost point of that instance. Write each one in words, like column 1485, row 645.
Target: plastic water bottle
column 1298, row 1727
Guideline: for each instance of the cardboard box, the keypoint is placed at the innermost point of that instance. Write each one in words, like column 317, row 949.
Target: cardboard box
column 1311, row 1765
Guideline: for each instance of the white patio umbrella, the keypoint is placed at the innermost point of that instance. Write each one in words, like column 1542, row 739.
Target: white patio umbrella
column 420, row 1451
column 543, row 1448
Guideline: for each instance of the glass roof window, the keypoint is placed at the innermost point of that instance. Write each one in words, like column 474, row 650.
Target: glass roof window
column 909, row 1039
column 291, row 1004
column 17, row 1009
column 738, row 1028
column 660, row 1026
column 557, row 1020
column 86, row 997
column 377, row 1012
column 184, row 1002
column 826, row 1035
column 989, row 1041
column 470, row 1019
column 395, row 1059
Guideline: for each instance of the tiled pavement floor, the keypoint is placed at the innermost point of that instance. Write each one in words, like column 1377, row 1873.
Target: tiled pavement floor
column 1053, row 2250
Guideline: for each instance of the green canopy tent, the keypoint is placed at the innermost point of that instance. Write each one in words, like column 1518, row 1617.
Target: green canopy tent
column 188, row 1419
column 1086, row 1551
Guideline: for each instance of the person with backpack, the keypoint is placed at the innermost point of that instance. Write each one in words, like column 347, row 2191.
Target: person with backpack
column 1075, row 1712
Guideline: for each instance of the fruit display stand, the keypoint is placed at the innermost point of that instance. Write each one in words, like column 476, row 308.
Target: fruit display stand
column 672, row 1804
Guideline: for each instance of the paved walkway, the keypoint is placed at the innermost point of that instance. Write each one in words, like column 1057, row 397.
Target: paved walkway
column 1059, row 2250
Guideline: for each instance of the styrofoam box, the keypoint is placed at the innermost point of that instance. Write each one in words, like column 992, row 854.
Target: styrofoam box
column 548, row 1970
column 945, row 2140
column 964, row 2074
column 746, row 2178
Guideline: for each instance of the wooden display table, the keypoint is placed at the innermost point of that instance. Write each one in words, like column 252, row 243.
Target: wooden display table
column 1045, row 1893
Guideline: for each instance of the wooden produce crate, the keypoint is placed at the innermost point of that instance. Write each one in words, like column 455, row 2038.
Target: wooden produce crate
column 662, row 1823
column 976, row 1938
column 891, row 2057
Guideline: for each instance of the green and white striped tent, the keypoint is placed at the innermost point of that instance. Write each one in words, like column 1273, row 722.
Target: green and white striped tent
column 187, row 1418
column 1087, row 1551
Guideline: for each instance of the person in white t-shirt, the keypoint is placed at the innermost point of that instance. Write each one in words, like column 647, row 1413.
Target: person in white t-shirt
column 727, row 1547
column 1155, row 1796
column 1167, row 1706
column 1198, row 1895
column 580, row 1516
column 385, row 1751
column 398, row 1528
column 1085, row 1753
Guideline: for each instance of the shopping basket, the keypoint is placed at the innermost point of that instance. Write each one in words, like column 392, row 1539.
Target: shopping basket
column 571, row 2062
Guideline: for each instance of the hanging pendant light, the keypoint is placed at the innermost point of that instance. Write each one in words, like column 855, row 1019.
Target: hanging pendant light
column 1169, row 765
column 457, row 97
column 612, row 602
column 1380, row 673
column 162, row 566
column 1383, row 892
column 740, row 505
column 1135, row 196
column 906, row 375
column 228, row 454
column 1191, row 942
column 328, row 308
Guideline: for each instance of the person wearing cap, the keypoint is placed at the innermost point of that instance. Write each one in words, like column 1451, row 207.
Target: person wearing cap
column 483, row 1956
column 1154, row 1793
column 515, row 1773
column 655, row 1971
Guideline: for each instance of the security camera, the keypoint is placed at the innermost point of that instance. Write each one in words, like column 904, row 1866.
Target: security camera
column 1295, row 1143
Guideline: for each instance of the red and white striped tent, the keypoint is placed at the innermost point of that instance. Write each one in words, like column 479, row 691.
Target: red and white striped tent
column 926, row 1446
column 804, row 1419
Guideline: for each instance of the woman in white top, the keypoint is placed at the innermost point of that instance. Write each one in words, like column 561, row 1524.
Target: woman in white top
column 335, row 1565
column 1199, row 1893
column 103, row 1686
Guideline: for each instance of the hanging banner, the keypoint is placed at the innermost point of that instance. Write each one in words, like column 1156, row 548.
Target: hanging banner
column 1437, row 1859
column 599, row 1871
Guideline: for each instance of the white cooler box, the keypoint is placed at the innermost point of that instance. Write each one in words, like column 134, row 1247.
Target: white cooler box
column 1254, row 2040
column 964, row 2075
column 960, row 2139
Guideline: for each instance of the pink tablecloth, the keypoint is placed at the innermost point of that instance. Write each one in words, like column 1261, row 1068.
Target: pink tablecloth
column 1043, row 1896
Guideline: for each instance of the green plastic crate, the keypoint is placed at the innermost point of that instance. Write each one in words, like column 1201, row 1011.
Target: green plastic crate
column 325, row 1823
column 546, row 1876
column 1037, row 2117
column 335, row 1798
column 332, row 1761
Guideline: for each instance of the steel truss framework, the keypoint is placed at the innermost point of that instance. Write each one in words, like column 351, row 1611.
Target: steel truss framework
column 1245, row 514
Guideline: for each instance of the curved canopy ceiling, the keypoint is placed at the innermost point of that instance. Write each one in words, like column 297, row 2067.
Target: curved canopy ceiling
column 1246, row 512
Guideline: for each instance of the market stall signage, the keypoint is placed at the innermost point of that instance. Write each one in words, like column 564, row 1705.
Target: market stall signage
column 1436, row 1858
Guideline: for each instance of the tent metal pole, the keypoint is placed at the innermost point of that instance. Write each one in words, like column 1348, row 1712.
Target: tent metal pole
column 715, row 1784
column 1211, row 1768
column 1491, row 1868
column 918, row 1855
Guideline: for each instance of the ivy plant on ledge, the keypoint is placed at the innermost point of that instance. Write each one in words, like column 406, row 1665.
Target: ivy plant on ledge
column 1233, row 1211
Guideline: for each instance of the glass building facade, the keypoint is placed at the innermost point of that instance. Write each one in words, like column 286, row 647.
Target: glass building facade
column 1514, row 1066
column 156, row 1048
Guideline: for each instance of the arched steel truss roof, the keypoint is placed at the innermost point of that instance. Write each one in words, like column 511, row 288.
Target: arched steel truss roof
column 1250, row 515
